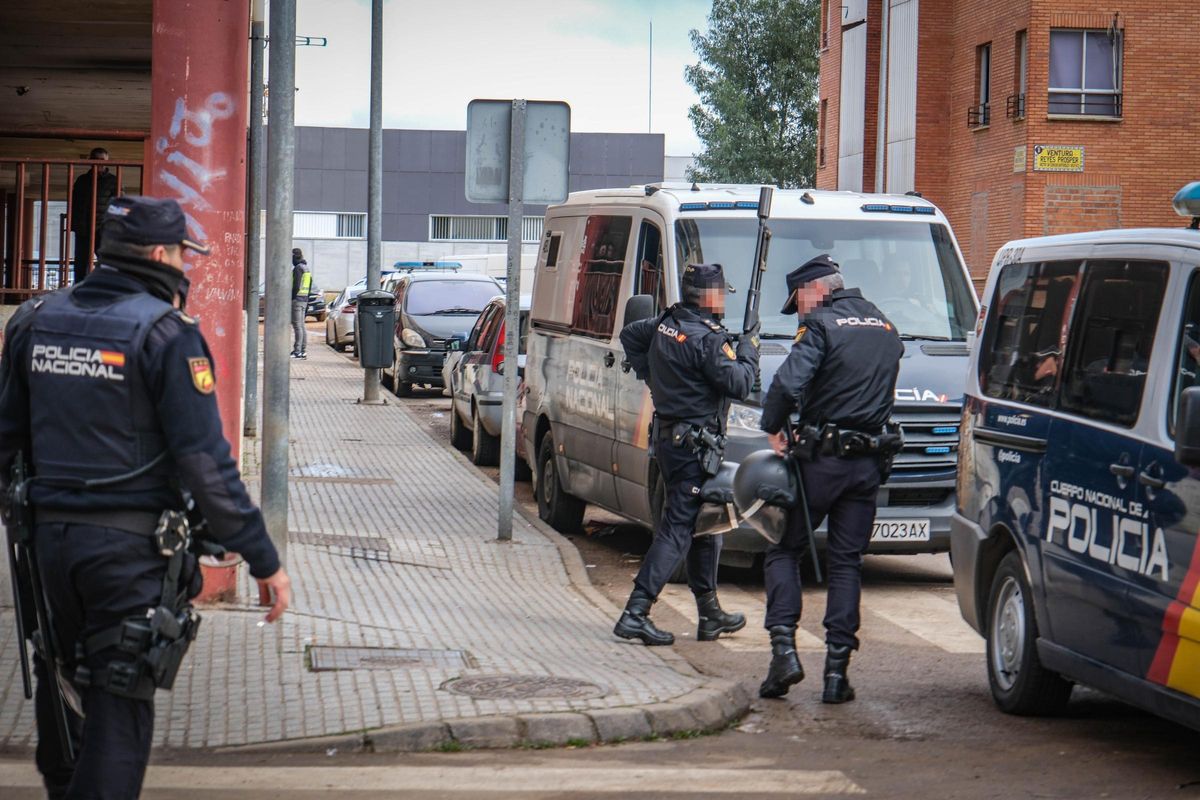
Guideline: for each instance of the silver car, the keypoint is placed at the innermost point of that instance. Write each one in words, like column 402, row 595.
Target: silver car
column 339, row 325
column 476, row 382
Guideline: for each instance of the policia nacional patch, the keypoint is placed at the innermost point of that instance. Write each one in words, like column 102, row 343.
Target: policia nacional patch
column 202, row 375
column 728, row 351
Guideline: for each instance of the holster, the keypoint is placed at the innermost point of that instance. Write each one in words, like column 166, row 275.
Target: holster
column 708, row 446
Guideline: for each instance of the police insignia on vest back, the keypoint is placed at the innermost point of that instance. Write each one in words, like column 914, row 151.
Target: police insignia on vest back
column 77, row 361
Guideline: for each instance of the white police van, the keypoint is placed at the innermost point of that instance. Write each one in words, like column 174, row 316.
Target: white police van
column 586, row 417
column 1074, row 542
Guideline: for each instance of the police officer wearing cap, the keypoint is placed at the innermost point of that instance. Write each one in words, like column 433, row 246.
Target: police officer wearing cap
column 693, row 369
column 108, row 382
column 840, row 378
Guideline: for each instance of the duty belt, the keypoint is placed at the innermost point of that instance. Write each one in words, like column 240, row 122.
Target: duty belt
column 143, row 523
column 830, row 440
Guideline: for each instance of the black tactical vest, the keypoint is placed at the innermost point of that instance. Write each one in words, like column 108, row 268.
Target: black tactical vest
column 90, row 410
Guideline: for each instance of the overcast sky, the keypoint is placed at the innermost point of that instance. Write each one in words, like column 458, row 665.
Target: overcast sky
column 441, row 54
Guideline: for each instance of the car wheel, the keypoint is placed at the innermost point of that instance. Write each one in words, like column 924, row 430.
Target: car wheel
column 521, row 470
column 341, row 348
column 321, row 315
column 658, row 502
column 1020, row 684
column 403, row 388
column 561, row 511
column 460, row 434
column 485, row 448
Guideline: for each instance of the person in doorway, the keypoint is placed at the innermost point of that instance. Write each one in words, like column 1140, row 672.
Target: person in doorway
column 693, row 370
column 87, row 210
column 301, row 289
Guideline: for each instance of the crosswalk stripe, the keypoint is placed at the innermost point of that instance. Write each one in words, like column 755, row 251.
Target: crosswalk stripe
column 931, row 617
column 752, row 638
column 483, row 779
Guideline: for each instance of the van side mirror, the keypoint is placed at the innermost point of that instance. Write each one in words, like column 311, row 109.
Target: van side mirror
column 1187, row 428
column 454, row 344
column 638, row 307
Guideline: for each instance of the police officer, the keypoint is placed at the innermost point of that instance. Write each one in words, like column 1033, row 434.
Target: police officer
column 109, row 381
column 301, row 289
column 692, row 368
column 840, row 377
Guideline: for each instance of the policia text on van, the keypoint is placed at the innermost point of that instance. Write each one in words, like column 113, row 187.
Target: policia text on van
column 586, row 419
column 1075, row 541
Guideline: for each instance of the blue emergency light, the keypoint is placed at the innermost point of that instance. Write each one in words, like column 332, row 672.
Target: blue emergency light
column 750, row 204
column 945, row 430
column 693, row 206
column 884, row 208
column 937, row 451
column 1187, row 203
column 719, row 205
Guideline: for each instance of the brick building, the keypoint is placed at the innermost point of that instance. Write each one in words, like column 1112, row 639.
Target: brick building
column 1019, row 118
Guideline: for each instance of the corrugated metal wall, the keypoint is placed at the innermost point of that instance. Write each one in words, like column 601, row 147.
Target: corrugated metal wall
column 902, row 97
column 852, row 114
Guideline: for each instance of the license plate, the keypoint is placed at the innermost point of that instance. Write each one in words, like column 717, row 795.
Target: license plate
column 901, row 530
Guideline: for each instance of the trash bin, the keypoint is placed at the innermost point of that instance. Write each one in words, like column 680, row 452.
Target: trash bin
column 374, row 329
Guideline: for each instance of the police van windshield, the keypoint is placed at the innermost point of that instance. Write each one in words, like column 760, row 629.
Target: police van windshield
column 910, row 270
column 449, row 297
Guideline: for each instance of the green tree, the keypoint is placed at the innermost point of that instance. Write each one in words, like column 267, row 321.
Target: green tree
column 758, row 83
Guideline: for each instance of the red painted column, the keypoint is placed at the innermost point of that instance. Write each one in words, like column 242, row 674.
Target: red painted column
column 197, row 148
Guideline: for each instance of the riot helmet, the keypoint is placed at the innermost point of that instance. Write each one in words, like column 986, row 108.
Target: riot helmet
column 764, row 489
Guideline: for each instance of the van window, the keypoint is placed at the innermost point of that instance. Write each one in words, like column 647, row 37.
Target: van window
column 1111, row 338
column 909, row 269
column 1187, row 359
column 602, row 262
column 1026, row 335
column 650, row 277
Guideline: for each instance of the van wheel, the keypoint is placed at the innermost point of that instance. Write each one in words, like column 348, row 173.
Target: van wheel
column 658, row 502
column 460, row 434
column 1020, row 684
column 485, row 448
column 521, row 470
column 560, row 510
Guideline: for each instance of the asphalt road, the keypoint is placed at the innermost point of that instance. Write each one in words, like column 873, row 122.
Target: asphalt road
column 923, row 725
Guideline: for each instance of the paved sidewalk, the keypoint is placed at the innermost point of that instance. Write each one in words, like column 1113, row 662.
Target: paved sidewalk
column 424, row 628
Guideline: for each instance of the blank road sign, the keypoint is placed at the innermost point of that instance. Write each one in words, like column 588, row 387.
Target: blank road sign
column 547, row 151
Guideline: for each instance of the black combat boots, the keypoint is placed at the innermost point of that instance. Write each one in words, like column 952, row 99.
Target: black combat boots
column 837, row 685
column 785, row 668
column 635, row 622
column 713, row 619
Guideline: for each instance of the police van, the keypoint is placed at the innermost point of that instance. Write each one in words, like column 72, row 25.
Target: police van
column 1074, row 541
column 608, row 256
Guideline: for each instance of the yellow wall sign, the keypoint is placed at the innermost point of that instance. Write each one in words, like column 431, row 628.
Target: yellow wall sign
column 1057, row 158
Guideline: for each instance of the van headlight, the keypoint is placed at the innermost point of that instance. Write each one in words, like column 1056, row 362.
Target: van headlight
column 742, row 417
column 412, row 339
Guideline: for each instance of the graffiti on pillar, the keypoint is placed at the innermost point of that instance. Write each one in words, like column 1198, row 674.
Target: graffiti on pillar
column 187, row 150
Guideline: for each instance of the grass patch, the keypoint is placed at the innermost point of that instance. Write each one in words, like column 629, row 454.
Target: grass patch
column 451, row 747
column 579, row 742
column 678, row 735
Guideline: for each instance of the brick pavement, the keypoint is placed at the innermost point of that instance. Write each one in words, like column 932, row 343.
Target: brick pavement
column 392, row 545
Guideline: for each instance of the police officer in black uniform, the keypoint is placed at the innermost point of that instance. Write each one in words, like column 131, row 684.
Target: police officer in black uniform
column 109, row 381
column 693, row 368
column 840, row 377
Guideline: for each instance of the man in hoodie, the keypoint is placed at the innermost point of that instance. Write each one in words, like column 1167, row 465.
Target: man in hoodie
column 301, row 289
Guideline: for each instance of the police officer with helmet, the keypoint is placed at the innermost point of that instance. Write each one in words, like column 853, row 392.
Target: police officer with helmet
column 106, row 391
column 840, row 379
column 693, row 369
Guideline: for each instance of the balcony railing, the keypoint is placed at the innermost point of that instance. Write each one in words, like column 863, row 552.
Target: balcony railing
column 1014, row 106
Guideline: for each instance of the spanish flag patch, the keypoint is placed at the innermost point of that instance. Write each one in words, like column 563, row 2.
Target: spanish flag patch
column 202, row 375
column 728, row 351
column 111, row 358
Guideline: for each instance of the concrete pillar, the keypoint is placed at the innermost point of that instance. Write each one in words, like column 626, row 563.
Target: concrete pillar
column 198, row 107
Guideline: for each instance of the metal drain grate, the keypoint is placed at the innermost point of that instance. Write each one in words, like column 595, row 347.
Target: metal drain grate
column 326, row 659
column 523, row 687
column 377, row 544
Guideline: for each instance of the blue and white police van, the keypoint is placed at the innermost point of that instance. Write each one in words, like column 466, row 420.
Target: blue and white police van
column 1074, row 540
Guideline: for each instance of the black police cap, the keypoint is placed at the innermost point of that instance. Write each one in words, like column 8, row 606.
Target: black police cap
column 810, row 270
column 131, row 219
column 703, row 276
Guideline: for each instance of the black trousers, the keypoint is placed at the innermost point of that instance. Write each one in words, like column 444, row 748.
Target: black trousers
column 674, row 540
column 95, row 577
column 844, row 490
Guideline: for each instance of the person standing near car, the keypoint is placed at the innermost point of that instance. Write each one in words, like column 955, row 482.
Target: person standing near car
column 689, row 361
column 840, row 377
column 301, row 289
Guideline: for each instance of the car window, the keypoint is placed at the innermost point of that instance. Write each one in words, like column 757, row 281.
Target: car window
column 650, row 277
column 1021, row 356
column 485, row 328
column 602, row 262
column 1111, row 338
column 1187, row 358
column 448, row 297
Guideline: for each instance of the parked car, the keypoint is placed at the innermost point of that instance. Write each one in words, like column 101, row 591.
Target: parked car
column 343, row 313
column 317, row 307
column 608, row 257
column 477, row 383
column 432, row 305
column 1074, row 540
